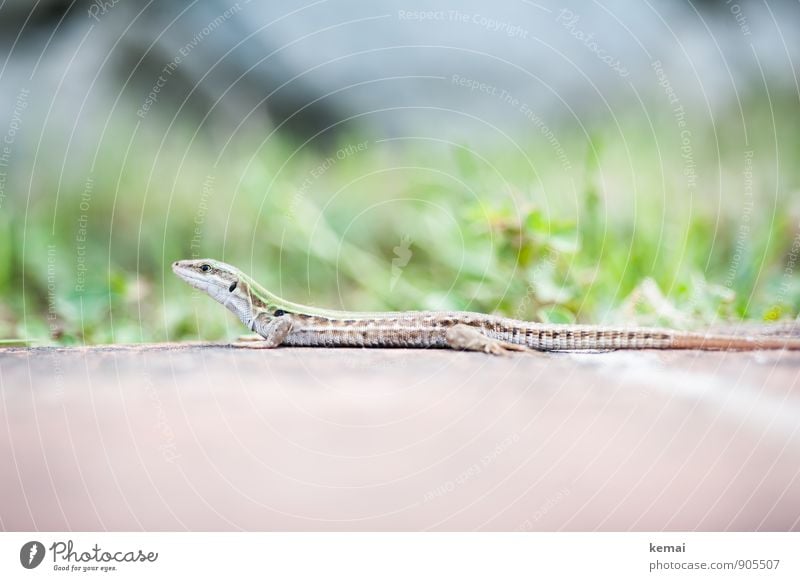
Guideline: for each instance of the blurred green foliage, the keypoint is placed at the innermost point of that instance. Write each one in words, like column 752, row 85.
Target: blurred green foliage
column 618, row 235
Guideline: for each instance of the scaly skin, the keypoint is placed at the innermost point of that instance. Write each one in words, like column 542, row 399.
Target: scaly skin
column 280, row 322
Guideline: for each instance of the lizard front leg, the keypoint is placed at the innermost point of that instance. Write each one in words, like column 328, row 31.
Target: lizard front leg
column 273, row 330
column 464, row 337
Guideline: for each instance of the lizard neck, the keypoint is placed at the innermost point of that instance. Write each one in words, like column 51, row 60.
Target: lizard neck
column 263, row 300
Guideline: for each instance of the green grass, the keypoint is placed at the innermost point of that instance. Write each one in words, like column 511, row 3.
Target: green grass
column 415, row 224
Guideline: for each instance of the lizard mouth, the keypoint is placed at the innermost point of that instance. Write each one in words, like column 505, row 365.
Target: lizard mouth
column 189, row 272
column 189, row 276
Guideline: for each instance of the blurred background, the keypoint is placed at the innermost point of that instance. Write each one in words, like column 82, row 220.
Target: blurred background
column 554, row 161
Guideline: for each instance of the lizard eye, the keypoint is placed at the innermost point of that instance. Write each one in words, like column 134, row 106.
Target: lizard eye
column 205, row 267
column 280, row 313
column 233, row 286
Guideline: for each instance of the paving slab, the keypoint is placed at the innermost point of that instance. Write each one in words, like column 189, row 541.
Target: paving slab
column 209, row 437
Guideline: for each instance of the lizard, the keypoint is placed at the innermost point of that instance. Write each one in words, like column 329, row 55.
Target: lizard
column 279, row 322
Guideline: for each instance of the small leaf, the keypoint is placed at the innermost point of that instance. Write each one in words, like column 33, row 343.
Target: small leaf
column 536, row 223
column 773, row 313
column 548, row 291
column 565, row 240
column 556, row 314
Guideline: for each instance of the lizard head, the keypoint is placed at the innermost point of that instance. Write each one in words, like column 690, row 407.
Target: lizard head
column 230, row 287
column 224, row 283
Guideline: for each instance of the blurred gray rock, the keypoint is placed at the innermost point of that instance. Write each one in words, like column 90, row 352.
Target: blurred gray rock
column 447, row 69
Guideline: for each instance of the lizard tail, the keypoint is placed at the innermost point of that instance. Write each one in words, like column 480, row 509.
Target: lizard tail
column 733, row 343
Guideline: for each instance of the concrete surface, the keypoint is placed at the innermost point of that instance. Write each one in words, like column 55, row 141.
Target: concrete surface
column 205, row 437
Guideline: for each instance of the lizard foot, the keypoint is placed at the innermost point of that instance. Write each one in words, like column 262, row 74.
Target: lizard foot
column 466, row 338
column 252, row 342
column 270, row 332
